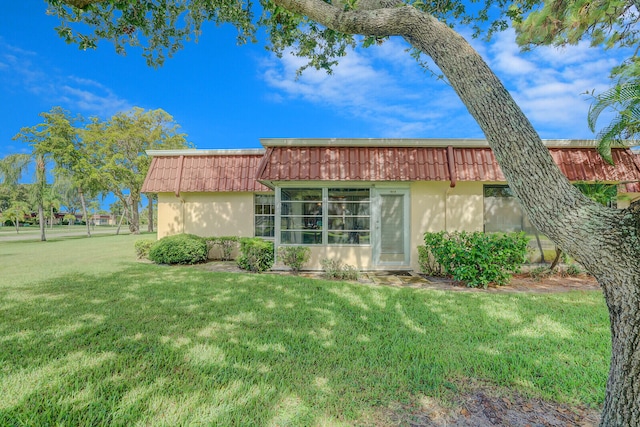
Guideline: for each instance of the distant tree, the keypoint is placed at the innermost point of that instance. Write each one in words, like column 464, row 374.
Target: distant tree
column 45, row 140
column 59, row 138
column 151, row 198
column 70, row 218
column 118, row 150
column 12, row 168
column 51, row 203
column 16, row 213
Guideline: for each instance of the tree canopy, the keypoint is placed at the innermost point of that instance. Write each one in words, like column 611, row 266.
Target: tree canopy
column 161, row 27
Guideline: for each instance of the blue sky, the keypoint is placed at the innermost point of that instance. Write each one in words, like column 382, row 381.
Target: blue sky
column 229, row 96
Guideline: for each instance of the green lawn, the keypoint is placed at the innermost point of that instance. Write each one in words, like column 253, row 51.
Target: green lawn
column 89, row 336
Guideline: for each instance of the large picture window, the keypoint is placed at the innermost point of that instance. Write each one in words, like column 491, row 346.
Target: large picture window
column 329, row 216
column 264, row 215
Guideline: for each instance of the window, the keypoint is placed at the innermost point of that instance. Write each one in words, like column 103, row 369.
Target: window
column 264, row 215
column 301, row 217
column 333, row 216
column 348, row 216
column 502, row 211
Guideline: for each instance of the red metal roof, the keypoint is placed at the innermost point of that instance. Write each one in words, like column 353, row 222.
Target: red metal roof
column 299, row 163
column 241, row 172
column 354, row 164
column 203, row 173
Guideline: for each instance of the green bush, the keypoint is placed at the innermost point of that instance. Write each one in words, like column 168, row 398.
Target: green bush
column 179, row 249
column 574, row 270
column 294, row 257
column 335, row 270
column 478, row 259
column 256, row 254
column 226, row 244
column 143, row 247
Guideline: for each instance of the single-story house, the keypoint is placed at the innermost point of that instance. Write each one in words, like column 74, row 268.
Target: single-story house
column 367, row 202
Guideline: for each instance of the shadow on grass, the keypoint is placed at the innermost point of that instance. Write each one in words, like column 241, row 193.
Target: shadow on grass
column 177, row 346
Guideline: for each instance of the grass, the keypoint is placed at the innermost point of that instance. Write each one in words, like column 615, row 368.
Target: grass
column 104, row 340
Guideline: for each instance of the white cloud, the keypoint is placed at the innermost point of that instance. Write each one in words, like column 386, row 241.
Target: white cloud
column 384, row 86
column 551, row 88
column 22, row 73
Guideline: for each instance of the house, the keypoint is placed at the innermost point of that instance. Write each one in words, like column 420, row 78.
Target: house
column 366, row 202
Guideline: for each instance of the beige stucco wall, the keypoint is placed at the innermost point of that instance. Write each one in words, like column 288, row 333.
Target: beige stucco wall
column 435, row 206
column 356, row 256
column 206, row 214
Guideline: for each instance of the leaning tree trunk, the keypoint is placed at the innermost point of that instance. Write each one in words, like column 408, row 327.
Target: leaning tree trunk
column 134, row 215
column 84, row 211
column 605, row 241
column 150, row 213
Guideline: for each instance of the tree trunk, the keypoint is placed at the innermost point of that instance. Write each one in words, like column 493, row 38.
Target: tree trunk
column 542, row 260
column 41, row 220
column 150, row 213
column 556, row 260
column 604, row 240
column 84, row 211
column 124, row 211
column 134, row 215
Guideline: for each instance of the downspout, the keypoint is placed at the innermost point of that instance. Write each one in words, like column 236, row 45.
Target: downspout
column 452, row 182
column 452, row 166
column 177, row 189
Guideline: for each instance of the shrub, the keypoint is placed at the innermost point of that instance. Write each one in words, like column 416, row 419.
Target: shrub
column 334, row 269
column 428, row 264
column 256, row 255
column 540, row 272
column 179, row 249
column 294, row 257
column 143, row 247
column 574, row 270
column 478, row 259
column 226, row 244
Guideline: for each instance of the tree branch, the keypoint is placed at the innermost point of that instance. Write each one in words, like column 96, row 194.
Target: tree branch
column 81, row 4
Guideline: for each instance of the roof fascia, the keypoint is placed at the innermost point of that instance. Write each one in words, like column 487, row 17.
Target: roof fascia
column 220, row 152
column 407, row 142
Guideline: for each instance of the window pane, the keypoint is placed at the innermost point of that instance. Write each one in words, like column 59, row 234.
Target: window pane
column 301, row 194
column 307, row 237
column 348, row 238
column 348, row 194
column 293, row 223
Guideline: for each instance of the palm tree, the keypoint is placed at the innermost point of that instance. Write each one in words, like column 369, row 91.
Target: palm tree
column 18, row 211
column 624, row 99
column 11, row 169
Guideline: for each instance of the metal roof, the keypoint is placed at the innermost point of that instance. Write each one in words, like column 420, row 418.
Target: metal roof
column 226, row 170
column 353, row 163
column 203, row 173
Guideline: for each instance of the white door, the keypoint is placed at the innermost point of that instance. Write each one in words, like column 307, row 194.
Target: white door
column 391, row 221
